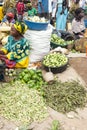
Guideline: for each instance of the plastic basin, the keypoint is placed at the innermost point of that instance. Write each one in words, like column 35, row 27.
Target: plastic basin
column 36, row 25
column 85, row 21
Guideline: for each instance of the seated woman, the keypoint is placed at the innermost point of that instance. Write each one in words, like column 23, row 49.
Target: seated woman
column 16, row 52
column 9, row 18
column 78, row 26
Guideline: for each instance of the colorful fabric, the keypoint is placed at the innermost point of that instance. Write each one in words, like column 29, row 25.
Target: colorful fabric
column 6, row 20
column 20, row 8
column 78, row 26
column 73, row 7
column 10, row 14
column 29, row 5
column 20, row 27
column 1, row 13
column 8, row 63
column 17, row 51
column 61, row 18
column 32, row 12
column 8, row 4
column 82, row 4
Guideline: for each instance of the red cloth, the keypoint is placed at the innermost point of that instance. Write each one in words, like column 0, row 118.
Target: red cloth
column 8, row 63
column 20, row 8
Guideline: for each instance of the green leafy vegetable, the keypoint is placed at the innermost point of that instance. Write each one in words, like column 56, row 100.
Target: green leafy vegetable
column 65, row 97
column 22, row 104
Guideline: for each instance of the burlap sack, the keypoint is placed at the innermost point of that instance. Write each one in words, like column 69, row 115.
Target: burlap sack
column 80, row 45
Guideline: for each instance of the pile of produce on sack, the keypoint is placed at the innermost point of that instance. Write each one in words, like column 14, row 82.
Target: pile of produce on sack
column 36, row 23
column 40, row 43
column 39, row 35
column 4, row 32
column 21, row 104
column 58, row 41
column 80, row 45
column 11, row 74
column 32, row 77
column 37, row 19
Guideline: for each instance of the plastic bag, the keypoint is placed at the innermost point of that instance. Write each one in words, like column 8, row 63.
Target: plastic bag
column 40, row 43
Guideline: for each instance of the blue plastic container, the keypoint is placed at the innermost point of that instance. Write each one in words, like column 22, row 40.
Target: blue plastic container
column 36, row 25
column 85, row 21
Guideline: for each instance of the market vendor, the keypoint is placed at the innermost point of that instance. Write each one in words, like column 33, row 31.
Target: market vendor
column 78, row 26
column 9, row 18
column 31, row 10
column 16, row 52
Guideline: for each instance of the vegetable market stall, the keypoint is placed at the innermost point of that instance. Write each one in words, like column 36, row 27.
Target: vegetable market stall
column 26, row 98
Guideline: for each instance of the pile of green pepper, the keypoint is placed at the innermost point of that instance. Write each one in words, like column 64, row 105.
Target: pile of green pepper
column 32, row 77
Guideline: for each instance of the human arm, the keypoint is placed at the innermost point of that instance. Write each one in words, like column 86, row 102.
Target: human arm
column 1, row 52
column 3, row 56
column 35, row 11
column 4, row 50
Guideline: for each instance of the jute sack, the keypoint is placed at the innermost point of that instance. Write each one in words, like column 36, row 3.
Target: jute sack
column 80, row 45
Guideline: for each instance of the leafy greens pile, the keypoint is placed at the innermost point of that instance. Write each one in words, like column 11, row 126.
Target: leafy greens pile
column 65, row 97
column 22, row 104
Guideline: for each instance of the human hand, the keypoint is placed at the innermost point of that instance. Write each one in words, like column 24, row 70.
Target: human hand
column 0, row 56
column 1, row 52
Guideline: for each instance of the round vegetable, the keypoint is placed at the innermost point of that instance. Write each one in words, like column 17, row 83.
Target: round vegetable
column 55, row 60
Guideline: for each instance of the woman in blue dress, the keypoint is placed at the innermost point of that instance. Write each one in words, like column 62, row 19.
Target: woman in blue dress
column 61, row 14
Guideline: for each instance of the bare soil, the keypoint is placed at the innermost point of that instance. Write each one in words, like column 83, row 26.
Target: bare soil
column 80, row 66
column 71, row 121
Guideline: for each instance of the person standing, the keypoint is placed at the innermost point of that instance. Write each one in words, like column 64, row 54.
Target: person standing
column 82, row 4
column 72, row 9
column 9, row 18
column 54, row 4
column 61, row 14
column 20, row 9
column 44, row 8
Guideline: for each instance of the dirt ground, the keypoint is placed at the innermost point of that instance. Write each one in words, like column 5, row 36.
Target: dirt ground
column 70, row 121
column 80, row 65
